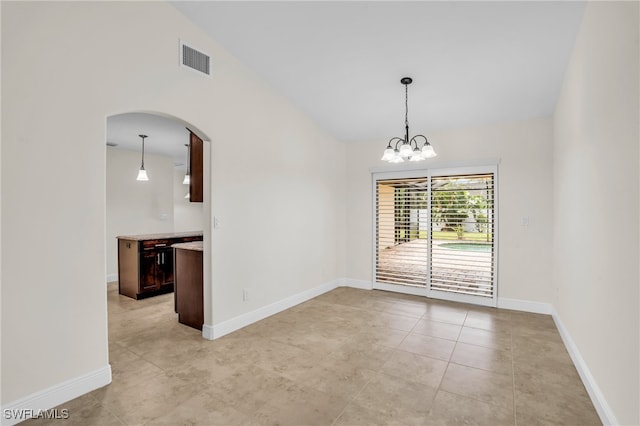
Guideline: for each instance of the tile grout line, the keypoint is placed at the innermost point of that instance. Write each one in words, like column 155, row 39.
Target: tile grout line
column 353, row 399
column 438, row 388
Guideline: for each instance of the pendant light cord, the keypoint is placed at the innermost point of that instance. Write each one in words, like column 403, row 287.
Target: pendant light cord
column 142, row 163
column 406, row 105
column 406, row 113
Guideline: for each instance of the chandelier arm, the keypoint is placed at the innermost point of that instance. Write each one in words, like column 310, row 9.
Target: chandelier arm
column 413, row 139
column 397, row 140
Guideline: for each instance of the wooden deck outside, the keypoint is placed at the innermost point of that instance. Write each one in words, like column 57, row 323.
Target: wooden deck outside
column 457, row 271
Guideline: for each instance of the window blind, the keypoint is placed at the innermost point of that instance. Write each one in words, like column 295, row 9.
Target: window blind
column 402, row 227
column 462, row 250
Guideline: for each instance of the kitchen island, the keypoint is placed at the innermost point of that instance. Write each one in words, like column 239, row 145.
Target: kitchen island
column 188, row 295
column 145, row 262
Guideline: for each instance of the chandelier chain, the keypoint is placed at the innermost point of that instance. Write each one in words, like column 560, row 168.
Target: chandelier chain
column 406, row 105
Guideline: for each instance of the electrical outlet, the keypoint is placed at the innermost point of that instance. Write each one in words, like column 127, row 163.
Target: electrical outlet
column 245, row 294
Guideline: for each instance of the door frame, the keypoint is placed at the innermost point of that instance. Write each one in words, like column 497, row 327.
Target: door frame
column 434, row 170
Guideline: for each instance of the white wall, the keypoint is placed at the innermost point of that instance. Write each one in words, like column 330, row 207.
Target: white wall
column 135, row 207
column 281, row 209
column 525, row 187
column 68, row 66
column 595, row 202
column 187, row 216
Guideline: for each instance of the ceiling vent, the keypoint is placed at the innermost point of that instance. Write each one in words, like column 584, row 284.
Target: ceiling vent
column 194, row 59
column 112, row 144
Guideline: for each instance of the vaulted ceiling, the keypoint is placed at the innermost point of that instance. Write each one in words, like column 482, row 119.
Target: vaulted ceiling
column 473, row 63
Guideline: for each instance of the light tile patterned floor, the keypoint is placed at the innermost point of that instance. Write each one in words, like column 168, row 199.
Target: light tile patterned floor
column 348, row 357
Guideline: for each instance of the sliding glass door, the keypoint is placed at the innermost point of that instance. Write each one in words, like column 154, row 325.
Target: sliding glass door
column 435, row 233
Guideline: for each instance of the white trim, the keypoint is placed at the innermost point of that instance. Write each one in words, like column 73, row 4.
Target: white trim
column 57, row 394
column 597, row 397
column 424, row 166
column 248, row 318
column 112, row 277
column 361, row 284
column 525, row 306
column 462, row 298
column 398, row 288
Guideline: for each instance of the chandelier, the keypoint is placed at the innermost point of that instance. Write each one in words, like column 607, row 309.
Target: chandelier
column 409, row 148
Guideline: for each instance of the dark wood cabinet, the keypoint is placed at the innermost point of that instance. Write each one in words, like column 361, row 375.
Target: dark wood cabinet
column 145, row 266
column 148, row 281
column 196, row 168
column 156, row 269
column 188, row 295
column 164, row 273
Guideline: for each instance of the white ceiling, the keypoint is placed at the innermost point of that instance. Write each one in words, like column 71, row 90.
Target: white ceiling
column 472, row 63
column 166, row 136
column 341, row 63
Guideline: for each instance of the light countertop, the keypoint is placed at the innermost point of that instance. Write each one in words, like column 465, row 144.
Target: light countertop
column 165, row 235
column 195, row 245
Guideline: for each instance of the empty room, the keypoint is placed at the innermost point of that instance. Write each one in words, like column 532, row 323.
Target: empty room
column 320, row 213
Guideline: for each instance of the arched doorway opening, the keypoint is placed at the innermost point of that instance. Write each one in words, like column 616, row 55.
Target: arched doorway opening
column 160, row 205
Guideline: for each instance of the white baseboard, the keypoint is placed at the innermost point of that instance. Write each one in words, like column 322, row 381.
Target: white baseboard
column 53, row 396
column 350, row 282
column 233, row 324
column 525, row 306
column 503, row 302
column 112, row 277
column 599, row 402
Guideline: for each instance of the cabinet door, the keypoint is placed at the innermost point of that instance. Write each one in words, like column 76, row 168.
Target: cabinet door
column 149, row 261
column 165, row 268
column 196, row 168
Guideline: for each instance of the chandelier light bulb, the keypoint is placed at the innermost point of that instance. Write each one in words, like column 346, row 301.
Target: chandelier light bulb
column 405, row 150
column 428, row 151
column 397, row 158
column 417, row 155
column 389, row 154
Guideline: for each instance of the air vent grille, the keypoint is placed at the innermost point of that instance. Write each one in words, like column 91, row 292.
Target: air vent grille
column 195, row 59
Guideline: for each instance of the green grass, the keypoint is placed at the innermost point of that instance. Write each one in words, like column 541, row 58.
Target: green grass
column 469, row 236
column 450, row 235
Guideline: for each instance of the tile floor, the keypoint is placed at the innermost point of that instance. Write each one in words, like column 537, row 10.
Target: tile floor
column 348, row 357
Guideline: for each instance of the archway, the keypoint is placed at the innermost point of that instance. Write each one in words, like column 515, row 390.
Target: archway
column 160, row 206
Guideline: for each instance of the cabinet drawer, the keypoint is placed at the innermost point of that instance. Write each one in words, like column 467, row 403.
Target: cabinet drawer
column 155, row 244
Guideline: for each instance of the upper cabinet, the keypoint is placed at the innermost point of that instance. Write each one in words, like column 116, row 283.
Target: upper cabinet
column 196, row 168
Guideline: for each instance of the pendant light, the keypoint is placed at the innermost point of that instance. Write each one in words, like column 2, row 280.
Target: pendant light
column 409, row 147
column 187, row 176
column 142, row 173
